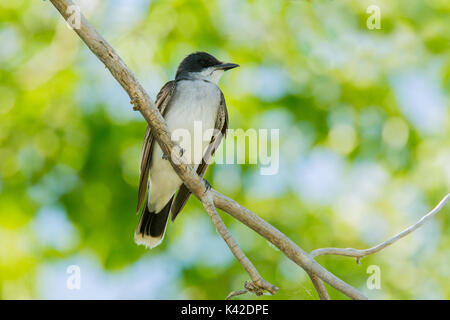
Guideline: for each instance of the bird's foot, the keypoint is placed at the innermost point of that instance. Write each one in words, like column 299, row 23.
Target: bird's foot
column 207, row 185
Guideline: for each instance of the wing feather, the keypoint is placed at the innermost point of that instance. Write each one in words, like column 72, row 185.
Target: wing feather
column 162, row 101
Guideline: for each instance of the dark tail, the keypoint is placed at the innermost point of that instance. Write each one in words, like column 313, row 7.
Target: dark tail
column 152, row 226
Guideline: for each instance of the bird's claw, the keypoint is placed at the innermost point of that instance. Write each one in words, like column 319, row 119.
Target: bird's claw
column 207, row 185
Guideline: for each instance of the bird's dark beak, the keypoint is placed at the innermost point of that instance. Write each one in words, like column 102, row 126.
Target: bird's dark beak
column 226, row 66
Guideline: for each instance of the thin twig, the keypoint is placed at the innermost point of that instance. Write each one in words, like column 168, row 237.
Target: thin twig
column 319, row 286
column 236, row 293
column 359, row 254
column 258, row 284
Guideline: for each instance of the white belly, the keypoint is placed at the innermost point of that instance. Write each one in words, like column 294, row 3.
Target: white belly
column 191, row 119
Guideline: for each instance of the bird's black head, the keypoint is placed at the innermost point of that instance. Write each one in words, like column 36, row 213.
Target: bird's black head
column 199, row 62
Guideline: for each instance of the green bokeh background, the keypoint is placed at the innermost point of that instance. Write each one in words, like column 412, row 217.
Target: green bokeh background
column 364, row 146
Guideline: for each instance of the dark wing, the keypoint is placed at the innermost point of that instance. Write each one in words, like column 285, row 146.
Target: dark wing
column 221, row 127
column 162, row 100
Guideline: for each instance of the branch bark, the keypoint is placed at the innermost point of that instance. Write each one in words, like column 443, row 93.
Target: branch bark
column 210, row 199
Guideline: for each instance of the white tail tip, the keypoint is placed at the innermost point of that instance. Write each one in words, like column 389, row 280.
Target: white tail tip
column 147, row 241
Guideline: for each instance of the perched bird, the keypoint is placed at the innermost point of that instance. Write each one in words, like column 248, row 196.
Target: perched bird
column 193, row 97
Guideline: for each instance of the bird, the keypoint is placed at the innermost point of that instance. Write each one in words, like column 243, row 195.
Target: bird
column 192, row 98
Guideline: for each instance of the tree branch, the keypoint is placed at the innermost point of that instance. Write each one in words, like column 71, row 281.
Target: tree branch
column 359, row 254
column 286, row 245
column 258, row 284
column 143, row 103
column 209, row 198
column 319, row 286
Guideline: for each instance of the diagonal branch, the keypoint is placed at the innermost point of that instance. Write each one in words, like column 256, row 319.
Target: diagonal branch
column 282, row 242
column 142, row 103
column 212, row 199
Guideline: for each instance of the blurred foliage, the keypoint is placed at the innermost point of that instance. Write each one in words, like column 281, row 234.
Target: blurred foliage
column 364, row 145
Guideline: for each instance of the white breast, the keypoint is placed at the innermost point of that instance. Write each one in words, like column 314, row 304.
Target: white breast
column 193, row 101
column 193, row 111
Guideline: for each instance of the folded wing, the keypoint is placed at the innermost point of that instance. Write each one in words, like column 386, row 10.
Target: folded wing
column 162, row 101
